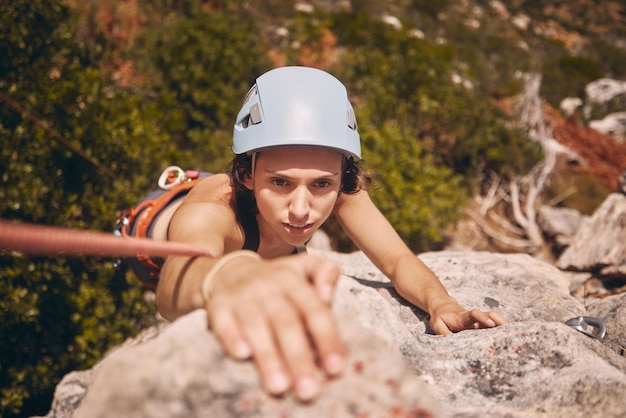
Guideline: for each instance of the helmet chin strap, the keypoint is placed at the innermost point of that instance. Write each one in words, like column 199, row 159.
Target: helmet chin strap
column 253, row 167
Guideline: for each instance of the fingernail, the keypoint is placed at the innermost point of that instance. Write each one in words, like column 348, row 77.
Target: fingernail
column 242, row 350
column 277, row 383
column 307, row 388
column 326, row 292
column 334, row 363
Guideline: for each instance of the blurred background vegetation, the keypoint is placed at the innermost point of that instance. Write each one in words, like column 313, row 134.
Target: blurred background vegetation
column 97, row 97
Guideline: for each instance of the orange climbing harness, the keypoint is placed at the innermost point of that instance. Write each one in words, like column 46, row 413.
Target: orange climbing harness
column 174, row 183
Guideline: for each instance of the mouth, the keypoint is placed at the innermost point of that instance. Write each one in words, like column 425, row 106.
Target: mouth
column 298, row 226
column 298, row 229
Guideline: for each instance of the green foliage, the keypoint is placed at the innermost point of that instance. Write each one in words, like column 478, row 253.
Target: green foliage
column 63, row 314
column 567, row 76
column 28, row 30
column 417, row 196
column 59, row 315
column 495, row 64
column 201, row 68
column 104, row 148
column 409, row 80
column 431, row 7
column 611, row 58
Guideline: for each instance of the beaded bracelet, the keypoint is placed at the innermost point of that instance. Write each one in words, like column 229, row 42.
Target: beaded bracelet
column 208, row 280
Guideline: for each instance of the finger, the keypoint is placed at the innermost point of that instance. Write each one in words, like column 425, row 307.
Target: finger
column 323, row 274
column 478, row 317
column 227, row 330
column 266, row 355
column 498, row 319
column 322, row 329
column 296, row 349
column 487, row 319
column 439, row 327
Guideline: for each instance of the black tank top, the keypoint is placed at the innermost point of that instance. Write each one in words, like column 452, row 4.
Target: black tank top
column 251, row 231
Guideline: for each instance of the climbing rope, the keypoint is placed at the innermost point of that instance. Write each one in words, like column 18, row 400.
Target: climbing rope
column 33, row 239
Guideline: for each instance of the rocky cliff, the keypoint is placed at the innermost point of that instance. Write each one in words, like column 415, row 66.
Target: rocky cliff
column 536, row 366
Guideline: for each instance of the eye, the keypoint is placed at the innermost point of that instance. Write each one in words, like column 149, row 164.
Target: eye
column 322, row 184
column 278, row 182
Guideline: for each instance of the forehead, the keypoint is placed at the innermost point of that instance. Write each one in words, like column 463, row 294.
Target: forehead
column 300, row 157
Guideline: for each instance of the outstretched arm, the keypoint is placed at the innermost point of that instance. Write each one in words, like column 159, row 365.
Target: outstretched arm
column 275, row 312
column 413, row 280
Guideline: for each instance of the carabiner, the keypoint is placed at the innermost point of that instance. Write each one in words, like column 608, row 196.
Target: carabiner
column 171, row 177
column 593, row 327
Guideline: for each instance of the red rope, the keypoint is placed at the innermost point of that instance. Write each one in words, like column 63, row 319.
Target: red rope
column 33, row 239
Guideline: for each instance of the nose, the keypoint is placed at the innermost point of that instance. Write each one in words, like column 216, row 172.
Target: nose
column 299, row 205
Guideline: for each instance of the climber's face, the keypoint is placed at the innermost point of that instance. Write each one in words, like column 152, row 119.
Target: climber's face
column 296, row 189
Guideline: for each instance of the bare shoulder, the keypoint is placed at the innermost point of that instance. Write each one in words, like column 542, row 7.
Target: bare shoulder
column 215, row 188
column 207, row 215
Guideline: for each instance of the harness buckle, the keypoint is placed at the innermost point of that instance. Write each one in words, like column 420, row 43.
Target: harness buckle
column 122, row 224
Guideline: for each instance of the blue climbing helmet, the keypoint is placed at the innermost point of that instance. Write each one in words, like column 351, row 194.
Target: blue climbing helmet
column 297, row 106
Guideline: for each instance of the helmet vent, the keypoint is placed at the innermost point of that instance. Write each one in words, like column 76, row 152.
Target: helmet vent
column 352, row 120
column 251, row 93
column 252, row 118
column 255, row 114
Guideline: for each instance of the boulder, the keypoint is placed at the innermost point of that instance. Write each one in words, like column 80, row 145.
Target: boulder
column 604, row 89
column 600, row 242
column 183, row 373
column 613, row 311
column 559, row 224
column 569, row 105
column 535, row 366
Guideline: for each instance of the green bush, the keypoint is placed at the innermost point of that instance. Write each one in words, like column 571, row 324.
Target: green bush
column 611, row 58
column 59, row 315
column 567, row 76
column 417, row 196
column 62, row 314
column 409, row 80
column 200, row 69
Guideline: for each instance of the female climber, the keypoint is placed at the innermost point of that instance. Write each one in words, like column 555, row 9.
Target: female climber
column 296, row 163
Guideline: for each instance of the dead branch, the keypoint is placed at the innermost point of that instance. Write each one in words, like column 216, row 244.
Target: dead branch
column 524, row 192
column 492, row 233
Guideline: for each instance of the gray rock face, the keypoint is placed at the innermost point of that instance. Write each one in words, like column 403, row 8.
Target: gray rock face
column 182, row 373
column 536, row 366
column 530, row 367
column 600, row 242
column 559, row 224
column 604, row 89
